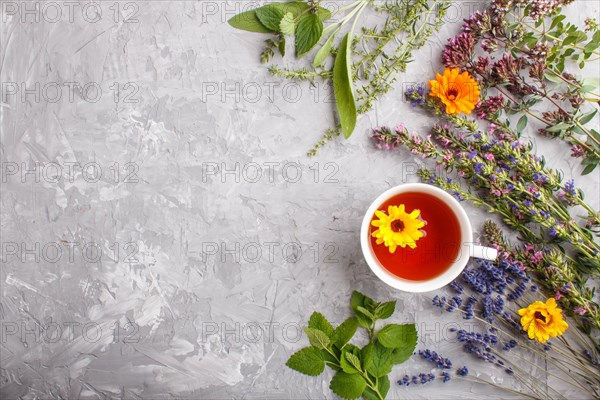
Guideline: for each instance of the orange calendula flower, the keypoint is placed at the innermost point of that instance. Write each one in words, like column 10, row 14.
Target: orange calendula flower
column 542, row 321
column 458, row 91
column 398, row 228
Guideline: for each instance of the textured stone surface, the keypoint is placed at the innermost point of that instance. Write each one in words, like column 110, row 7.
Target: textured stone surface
column 187, row 238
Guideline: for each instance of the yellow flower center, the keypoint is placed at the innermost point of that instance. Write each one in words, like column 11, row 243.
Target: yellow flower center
column 397, row 225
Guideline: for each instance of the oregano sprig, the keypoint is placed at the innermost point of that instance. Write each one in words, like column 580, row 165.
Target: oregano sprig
column 361, row 372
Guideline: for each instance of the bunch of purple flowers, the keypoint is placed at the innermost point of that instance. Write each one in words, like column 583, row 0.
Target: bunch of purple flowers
column 518, row 50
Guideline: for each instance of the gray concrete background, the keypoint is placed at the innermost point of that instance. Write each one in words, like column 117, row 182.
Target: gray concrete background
column 187, row 238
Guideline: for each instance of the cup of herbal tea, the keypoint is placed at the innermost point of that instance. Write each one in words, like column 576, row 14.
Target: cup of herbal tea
column 417, row 238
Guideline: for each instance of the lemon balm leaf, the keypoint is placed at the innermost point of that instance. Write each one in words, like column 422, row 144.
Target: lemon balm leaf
column 319, row 322
column 308, row 361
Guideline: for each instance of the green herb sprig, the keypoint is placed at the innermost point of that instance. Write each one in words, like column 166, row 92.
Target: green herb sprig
column 366, row 59
column 361, row 372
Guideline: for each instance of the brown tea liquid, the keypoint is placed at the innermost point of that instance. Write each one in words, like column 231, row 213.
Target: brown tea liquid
column 435, row 252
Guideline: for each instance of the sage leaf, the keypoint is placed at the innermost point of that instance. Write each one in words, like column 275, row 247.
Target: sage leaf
column 585, row 118
column 281, row 46
column 324, row 51
column 395, row 336
column 348, row 386
column 270, row 16
column 522, row 123
column 287, row 26
column 342, row 87
column 248, row 21
column 308, row 361
column 345, row 332
column 317, row 338
column 308, row 33
column 319, row 322
column 588, row 169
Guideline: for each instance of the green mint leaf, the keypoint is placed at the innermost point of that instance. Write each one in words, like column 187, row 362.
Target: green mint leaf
column 317, row 338
column 394, row 336
column 330, row 360
column 298, row 8
column 287, row 26
column 348, row 386
column 383, row 386
column 369, row 394
column 319, row 322
column 377, row 360
column 342, row 87
column 308, row 361
column 308, row 33
column 350, row 363
column 324, row 51
column 270, row 16
column 344, row 332
column 248, row 21
column 366, row 313
column 357, row 299
column 385, row 310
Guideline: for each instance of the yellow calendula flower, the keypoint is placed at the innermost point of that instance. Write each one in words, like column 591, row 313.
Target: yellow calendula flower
column 397, row 227
column 542, row 321
column 458, row 91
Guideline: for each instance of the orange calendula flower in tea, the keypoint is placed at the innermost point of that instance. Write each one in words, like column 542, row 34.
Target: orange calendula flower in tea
column 542, row 321
column 398, row 228
column 458, row 91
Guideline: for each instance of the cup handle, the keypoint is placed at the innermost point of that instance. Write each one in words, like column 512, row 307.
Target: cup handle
column 485, row 253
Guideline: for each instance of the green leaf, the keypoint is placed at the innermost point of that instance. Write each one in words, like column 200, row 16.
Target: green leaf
column 342, row 87
column 319, row 322
column 406, row 350
column 588, row 169
column 585, row 118
column 324, row 51
column 558, row 127
column 552, row 77
column 317, row 338
column 395, row 336
column 308, row 33
column 308, row 361
column 366, row 313
column 357, row 299
column 522, row 123
column 270, row 16
column 300, row 7
column 383, row 386
column 377, row 360
column 287, row 26
column 248, row 21
column 385, row 310
column 345, row 332
column 348, row 386
column 281, row 46
column 350, row 363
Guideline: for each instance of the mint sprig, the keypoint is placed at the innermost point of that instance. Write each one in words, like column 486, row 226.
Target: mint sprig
column 361, row 372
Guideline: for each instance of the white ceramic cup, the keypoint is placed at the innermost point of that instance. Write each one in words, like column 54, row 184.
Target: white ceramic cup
column 467, row 250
